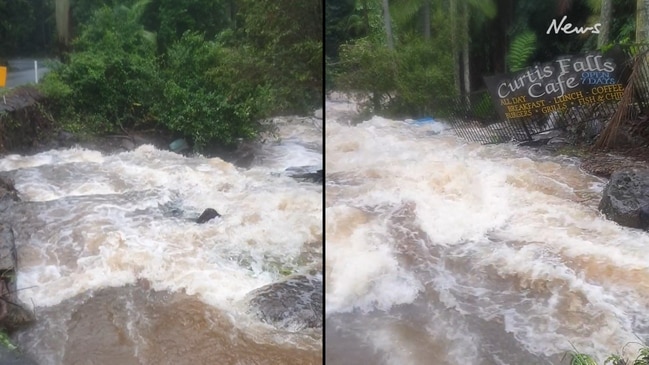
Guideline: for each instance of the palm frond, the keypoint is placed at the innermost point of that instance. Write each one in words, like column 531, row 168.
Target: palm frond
column 522, row 48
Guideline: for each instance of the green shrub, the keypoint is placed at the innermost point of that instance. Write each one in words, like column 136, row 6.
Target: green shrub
column 284, row 37
column 170, row 19
column 416, row 79
column 424, row 79
column 205, row 89
column 5, row 341
column 368, row 68
column 111, row 77
column 199, row 102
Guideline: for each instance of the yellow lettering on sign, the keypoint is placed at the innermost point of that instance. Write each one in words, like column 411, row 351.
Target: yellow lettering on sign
column 3, row 76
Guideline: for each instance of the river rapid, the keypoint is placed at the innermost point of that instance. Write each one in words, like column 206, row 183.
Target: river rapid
column 118, row 272
column 440, row 251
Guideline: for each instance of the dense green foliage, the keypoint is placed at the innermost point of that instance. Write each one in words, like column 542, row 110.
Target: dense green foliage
column 198, row 102
column 207, row 70
column 463, row 40
column 414, row 79
column 25, row 27
column 112, row 75
column 286, row 37
column 172, row 18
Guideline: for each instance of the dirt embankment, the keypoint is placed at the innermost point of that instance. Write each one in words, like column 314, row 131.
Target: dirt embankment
column 604, row 163
column 22, row 119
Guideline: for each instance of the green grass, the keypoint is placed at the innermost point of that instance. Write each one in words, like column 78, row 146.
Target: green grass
column 579, row 358
column 6, row 341
column 574, row 151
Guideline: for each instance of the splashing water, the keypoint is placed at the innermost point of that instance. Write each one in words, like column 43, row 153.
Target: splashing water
column 441, row 251
column 117, row 270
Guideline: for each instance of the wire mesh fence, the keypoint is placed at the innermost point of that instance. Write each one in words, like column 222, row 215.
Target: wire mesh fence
column 474, row 117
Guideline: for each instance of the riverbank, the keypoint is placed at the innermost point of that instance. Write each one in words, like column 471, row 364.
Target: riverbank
column 603, row 163
column 26, row 128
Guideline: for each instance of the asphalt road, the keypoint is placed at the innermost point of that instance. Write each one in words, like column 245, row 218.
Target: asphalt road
column 21, row 71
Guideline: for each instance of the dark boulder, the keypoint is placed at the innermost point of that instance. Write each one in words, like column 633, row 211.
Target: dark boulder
column 306, row 174
column 207, row 215
column 314, row 177
column 66, row 139
column 626, row 198
column 292, row 304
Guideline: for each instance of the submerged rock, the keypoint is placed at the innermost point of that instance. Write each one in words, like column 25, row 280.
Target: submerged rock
column 626, row 198
column 171, row 209
column 314, row 177
column 306, row 174
column 12, row 357
column 293, row 304
column 207, row 215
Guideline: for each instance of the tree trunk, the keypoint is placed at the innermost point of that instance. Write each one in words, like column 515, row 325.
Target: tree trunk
column 426, row 19
column 388, row 24
column 232, row 13
column 62, row 15
column 366, row 17
column 465, row 46
column 505, row 11
column 455, row 45
column 642, row 21
column 605, row 21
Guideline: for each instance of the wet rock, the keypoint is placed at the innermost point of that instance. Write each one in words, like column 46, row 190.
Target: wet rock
column 244, row 160
column 66, row 139
column 604, row 164
column 179, row 145
column 318, row 113
column 12, row 314
column 171, row 209
column 8, row 194
column 314, row 177
column 241, row 154
column 128, row 144
column 11, row 357
column 306, row 173
column 293, row 304
column 7, row 248
column 207, row 215
column 626, row 198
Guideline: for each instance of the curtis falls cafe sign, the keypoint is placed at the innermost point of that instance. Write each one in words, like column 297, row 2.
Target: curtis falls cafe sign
column 565, row 82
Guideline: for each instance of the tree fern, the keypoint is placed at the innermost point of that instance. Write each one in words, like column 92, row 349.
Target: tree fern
column 521, row 49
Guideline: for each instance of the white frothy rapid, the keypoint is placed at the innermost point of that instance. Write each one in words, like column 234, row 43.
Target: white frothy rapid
column 93, row 221
column 440, row 251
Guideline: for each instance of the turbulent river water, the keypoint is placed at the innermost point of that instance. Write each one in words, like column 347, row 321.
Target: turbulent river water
column 118, row 272
column 440, row 251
